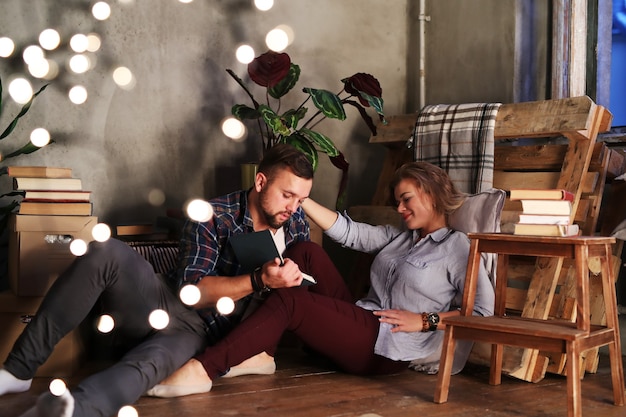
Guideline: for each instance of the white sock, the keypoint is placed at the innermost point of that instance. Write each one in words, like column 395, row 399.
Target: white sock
column 10, row 384
column 49, row 405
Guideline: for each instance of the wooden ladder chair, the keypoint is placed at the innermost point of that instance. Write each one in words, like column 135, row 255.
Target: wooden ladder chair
column 579, row 166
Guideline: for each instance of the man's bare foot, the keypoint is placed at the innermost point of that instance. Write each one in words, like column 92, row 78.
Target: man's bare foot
column 191, row 378
column 260, row 364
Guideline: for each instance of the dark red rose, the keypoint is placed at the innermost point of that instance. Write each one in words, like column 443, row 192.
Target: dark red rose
column 362, row 82
column 269, row 68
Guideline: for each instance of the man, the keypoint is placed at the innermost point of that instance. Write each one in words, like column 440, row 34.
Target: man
column 116, row 277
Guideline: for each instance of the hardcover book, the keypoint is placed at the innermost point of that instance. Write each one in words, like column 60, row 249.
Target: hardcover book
column 37, row 171
column 553, row 207
column 255, row 249
column 546, row 229
column 58, row 184
column 541, row 194
column 56, row 209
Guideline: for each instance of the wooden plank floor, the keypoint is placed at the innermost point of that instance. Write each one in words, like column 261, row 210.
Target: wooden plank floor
column 306, row 387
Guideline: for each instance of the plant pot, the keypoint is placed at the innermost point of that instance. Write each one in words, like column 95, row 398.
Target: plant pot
column 248, row 174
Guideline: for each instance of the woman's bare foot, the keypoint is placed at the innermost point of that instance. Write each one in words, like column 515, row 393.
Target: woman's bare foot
column 260, row 364
column 191, row 378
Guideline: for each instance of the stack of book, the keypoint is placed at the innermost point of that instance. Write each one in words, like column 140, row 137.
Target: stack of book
column 50, row 191
column 545, row 212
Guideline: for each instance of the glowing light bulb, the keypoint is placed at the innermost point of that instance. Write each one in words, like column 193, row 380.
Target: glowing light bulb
column 264, row 5
column 234, row 129
column 159, row 319
column 105, row 323
column 78, row 247
column 199, row 210
column 277, row 40
column 189, row 294
column 78, row 94
column 57, row 387
column 40, row 137
column 101, row 232
column 225, row 305
column 101, row 10
column 128, row 411
column 20, row 90
column 49, row 39
column 245, row 54
column 7, row 46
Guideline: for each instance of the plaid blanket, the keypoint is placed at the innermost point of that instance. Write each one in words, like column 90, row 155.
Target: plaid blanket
column 459, row 139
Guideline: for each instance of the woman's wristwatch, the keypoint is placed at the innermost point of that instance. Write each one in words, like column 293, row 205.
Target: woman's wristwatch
column 430, row 321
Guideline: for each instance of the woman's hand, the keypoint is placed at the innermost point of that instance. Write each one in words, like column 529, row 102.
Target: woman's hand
column 402, row 320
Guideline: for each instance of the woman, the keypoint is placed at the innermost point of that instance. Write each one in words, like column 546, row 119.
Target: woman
column 417, row 278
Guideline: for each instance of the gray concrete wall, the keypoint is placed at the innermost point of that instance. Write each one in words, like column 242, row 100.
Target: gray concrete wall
column 165, row 132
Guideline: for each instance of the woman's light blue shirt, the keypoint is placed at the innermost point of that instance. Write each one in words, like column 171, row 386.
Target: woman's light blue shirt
column 418, row 275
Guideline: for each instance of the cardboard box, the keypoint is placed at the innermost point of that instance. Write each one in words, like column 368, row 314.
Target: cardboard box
column 39, row 249
column 15, row 312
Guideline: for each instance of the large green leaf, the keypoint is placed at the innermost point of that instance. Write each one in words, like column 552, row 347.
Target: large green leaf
column 273, row 120
column 22, row 112
column 26, row 149
column 242, row 112
column 292, row 117
column 328, row 103
column 323, row 142
column 305, row 146
column 287, row 83
column 375, row 102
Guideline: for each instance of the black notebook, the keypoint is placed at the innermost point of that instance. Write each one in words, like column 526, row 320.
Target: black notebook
column 255, row 249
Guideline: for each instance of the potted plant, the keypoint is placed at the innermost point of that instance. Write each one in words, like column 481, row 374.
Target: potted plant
column 278, row 75
column 27, row 148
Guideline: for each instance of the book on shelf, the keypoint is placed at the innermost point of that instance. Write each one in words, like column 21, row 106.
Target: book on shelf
column 256, row 248
column 57, row 195
column 553, row 207
column 543, row 219
column 540, row 194
column 56, row 208
column 36, row 171
column 546, row 229
column 47, row 184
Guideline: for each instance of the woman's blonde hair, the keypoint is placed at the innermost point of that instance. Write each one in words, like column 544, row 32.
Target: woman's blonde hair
column 433, row 181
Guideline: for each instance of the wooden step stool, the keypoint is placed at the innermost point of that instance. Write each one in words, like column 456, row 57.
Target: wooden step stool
column 560, row 336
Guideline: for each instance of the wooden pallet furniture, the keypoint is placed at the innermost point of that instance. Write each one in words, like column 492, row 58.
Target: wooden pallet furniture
column 575, row 163
column 559, row 336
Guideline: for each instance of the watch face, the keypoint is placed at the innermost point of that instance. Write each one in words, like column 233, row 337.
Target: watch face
column 433, row 320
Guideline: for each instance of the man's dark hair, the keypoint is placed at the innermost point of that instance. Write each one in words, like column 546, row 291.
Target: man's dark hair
column 286, row 156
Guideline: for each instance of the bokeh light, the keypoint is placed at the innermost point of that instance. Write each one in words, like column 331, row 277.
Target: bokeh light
column 101, row 10
column 190, row 294
column 244, row 54
column 105, row 324
column 185, row 1
column 78, row 247
column 124, row 78
column 101, row 232
column 79, row 63
column 128, row 411
column 159, row 319
column 33, row 54
column 264, row 5
column 234, row 128
column 53, row 70
column 20, row 90
column 40, row 68
column 225, row 305
column 156, row 197
column 40, row 137
column 79, row 43
column 49, row 39
column 277, row 39
column 199, row 210
column 7, row 46
column 78, row 94
column 93, row 42
column 57, row 387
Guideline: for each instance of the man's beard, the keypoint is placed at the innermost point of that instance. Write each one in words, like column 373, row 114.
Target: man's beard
column 271, row 219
